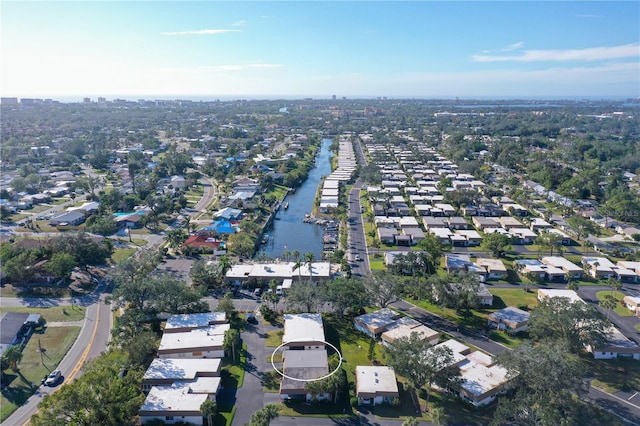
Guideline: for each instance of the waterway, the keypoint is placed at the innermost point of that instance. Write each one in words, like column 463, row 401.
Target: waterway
column 288, row 232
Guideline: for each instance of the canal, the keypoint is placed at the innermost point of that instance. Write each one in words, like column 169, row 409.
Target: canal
column 288, row 232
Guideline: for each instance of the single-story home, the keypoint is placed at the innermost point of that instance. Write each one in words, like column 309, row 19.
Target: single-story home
column 375, row 385
column 300, row 367
column 166, row 371
column 180, row 323
column 510, row 319
column 617, row 346
column 375, row 323
column 180, row 402
column 303, row 332
column 198, row 343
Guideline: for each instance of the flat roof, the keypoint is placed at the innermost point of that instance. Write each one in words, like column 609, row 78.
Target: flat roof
column 551, row 292
column 510, row 315
column 378, row 319
column 401, row 331
column 478, row 379
column 374, row 380
column 180, row 368
column 303, row 327
column 198, row 338
column 176, row 398
column 199, row 320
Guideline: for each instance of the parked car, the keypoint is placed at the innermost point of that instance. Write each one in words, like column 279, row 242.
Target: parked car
column 251, row 318
column 53, row 378
column 257, row 292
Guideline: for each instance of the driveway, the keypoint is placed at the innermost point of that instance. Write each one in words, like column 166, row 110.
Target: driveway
column 250, row 397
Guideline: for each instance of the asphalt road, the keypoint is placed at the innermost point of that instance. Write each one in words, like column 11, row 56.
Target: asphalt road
column 91, row 342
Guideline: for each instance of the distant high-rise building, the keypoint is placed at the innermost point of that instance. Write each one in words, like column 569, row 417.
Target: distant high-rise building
column 102, row 100
column 9, row 101
column 333, row 97
column 86, row 100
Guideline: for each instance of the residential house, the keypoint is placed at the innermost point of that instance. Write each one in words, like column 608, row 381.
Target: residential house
column 522, row 236
column 471, row 237
column 303, row 332
column 180, row 323
column 205, row 244
column 482, row 222
column 617, row 346
column 482, row 379
column 404, row 327
column 456, row 262
column 430, row 222
column 375, row 323
column 537, row 224
column 540, row 270
column 375, row 385
column 495, row 268
column 72, row 218
column 598, row 267
column 167, row 371
column 547, row 293
column 197, row 343
column 509, row 222
column 457, row 222
column 299, row 367
column 179, row 402
column 560, row 262
column 510, row 319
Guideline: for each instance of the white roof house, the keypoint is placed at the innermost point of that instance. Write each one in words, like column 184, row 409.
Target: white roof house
column 187, row 322
column 404, row 327
column 564, row 264
column 179, row 402
column 198, row 343
column 546, row 293
column 304, row 331
column 482, row 381
column 375, row 323
column 375, row 384
column 277, row 271
column 617, row 346
column 166, row 371
column 511, row 319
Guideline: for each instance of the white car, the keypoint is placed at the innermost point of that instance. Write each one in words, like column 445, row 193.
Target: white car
column 53, row 378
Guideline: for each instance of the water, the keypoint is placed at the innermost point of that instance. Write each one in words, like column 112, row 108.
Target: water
column 289, row 232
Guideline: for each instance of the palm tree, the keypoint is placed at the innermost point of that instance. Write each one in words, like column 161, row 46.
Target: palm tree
column 209, row 409
column 297, row 266
column 609, row 302
column 614, row 284
column 309, row 258
column 13, row 355
column 295, row 255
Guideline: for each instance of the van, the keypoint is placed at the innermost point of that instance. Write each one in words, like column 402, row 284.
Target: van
column 279, row 290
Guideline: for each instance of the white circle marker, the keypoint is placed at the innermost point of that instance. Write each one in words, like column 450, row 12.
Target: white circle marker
column 306, row 380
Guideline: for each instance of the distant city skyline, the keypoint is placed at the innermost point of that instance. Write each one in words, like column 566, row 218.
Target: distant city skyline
column 297, row 49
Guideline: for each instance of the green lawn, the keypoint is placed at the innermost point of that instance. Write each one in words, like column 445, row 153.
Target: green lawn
column 121, row 254
column 53, row 313
column 614, row 375
column 619, row 309
column 56, row 341
column 377, row 265
column 274, row 338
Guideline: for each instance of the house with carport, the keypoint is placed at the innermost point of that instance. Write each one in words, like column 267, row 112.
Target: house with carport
column 375, row 385
column 510, row 319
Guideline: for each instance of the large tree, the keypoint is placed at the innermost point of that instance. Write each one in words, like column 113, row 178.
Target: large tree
column 547, row 382
column 423, row 365
column 575, row 324
column 383, row 288
column 495, row 243
column 101, row 396
column 346, row 295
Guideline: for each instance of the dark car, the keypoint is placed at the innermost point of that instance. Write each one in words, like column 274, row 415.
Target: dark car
column 251, row 318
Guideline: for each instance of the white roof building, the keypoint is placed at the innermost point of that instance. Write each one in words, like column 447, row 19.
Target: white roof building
column 375, row 384
column 198, row 343
column 187, row 322
column 179, row 402
column 546, row 293
column 166, row 371
column 304, row 331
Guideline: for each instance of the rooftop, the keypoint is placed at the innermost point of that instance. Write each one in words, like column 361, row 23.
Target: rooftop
column 303, row 327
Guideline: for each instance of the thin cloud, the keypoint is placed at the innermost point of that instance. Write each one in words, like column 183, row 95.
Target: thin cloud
column 238, row 67
column 199, row 32
column 240, row 23
column 586, row 16
column 587, row 54
column 509, row 48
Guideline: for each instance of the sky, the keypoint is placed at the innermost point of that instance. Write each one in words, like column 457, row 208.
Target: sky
column 290, row 49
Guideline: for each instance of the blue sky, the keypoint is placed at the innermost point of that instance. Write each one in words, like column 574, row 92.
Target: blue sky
column 270, row 49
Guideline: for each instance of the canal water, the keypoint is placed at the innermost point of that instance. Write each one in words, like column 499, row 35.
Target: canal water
column 288, row 232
